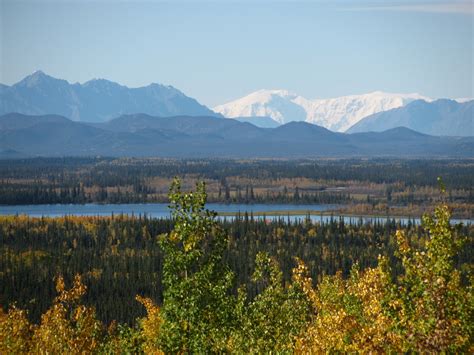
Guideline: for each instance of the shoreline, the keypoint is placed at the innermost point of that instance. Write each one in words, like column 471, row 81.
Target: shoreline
column 313, row 213
column 36, row 209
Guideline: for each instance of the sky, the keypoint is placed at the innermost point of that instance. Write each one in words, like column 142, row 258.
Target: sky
column 217, row 51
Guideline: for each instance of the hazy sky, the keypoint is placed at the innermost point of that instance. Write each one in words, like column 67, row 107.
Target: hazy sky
column 221, row 50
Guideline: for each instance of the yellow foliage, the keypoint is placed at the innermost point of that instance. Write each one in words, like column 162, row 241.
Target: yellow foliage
column 15, row 331
column 349, row 316
column 280, row 232
column 300, row 276
column 67, row 327
column 426, row 310
column 150, row 326
column 312, row 233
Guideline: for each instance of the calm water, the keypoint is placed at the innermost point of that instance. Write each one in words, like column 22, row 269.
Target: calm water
column 157, row 210
column 161, row 210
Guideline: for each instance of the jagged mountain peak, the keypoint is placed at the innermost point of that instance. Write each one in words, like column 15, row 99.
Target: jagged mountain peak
column 96, row 100
column 38, row 78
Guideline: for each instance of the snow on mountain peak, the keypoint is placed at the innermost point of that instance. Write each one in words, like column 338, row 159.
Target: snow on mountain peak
column 337, row 114
column 277, row 104
column 464, row 99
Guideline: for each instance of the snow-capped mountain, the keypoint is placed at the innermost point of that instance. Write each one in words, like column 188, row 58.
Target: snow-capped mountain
column 281, row 105
column 339, row 114
column 336, row 114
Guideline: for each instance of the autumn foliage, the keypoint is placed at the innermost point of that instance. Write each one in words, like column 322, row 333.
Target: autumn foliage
column 427, row 306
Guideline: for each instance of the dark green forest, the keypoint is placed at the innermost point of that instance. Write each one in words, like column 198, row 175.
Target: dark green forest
column 194, row 283
column 120, row 257
column 345, row 181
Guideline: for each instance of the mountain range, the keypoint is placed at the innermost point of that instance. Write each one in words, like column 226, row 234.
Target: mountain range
column 97, row 100
column 440, row 117
column 337, row 114
column 100, row 100
column 341, row 114
column 210, row 136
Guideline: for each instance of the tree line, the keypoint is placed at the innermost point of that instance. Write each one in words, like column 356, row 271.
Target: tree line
column 126, row 180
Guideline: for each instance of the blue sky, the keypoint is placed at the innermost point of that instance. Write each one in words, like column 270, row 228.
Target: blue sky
column 217, row 51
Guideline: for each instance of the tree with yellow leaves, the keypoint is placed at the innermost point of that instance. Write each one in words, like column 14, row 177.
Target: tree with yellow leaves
column 67, row 327
column 426, row 309
column 15, row 331
column 150, row 326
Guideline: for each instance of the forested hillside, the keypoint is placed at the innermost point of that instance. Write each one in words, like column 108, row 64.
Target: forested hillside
column 193, row 284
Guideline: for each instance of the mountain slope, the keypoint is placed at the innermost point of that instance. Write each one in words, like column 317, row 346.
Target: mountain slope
column 340, row 113
column 184, row 136
column 441, row 117
column 259, row 121
column 199, row 126
column 95, row 101
column 337, row 114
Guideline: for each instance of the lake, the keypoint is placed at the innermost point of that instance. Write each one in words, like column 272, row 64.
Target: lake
column 156, row 210
column 161, row 210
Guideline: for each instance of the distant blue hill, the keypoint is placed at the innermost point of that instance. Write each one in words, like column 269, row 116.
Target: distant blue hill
column 94, row 101
column 141, row 135
column 259, row 121
column 440, row 118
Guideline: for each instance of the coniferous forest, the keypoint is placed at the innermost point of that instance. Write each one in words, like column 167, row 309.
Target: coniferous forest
column 193, row 283
column 357, row 186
